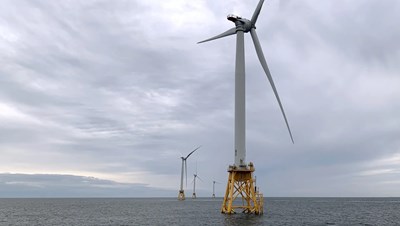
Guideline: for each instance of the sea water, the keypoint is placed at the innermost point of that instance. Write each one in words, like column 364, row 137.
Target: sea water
column 201, row 211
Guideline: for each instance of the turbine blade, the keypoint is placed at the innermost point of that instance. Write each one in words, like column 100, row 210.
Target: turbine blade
column 231, row 31
column 192, row 152
column 199, row 178
column 267, row 72
column 256, row 12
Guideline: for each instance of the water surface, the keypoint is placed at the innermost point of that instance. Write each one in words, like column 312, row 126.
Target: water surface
column 169, row 211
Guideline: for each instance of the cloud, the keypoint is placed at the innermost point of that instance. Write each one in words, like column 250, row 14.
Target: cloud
column 120, row 90
column 53, row 185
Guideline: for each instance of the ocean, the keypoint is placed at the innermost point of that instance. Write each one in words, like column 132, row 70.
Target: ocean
column 201, row 211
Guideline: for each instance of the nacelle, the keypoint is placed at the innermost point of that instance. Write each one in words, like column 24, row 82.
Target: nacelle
column 233, row 17
column 241, row 23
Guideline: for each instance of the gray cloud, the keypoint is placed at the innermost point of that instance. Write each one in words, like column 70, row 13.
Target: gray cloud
column 121, row 90
column 52, row 185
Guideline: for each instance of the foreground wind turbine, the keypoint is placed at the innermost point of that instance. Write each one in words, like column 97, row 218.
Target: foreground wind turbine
column 181, row 195
column 242, row 26
column 240, row 174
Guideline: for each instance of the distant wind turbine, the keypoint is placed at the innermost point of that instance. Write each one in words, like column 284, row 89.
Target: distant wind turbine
column 214, row 182
column 181, row 195
column 194, row 184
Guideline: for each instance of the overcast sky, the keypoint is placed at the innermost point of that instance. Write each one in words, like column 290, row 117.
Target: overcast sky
column 102, row 98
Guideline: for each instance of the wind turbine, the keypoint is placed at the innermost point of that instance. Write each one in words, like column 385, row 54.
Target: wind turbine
column 214, row 182
column 243, row 25
column 181, row 195
column 194, row 184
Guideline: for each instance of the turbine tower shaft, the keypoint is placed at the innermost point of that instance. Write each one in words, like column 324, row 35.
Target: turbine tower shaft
column 240, row 102
column 182, row 175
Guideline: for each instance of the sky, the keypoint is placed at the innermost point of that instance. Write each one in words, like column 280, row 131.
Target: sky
column 102, row 98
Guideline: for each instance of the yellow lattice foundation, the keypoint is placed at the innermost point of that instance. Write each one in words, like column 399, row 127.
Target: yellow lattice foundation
column 181, row 195
column 241, row 183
